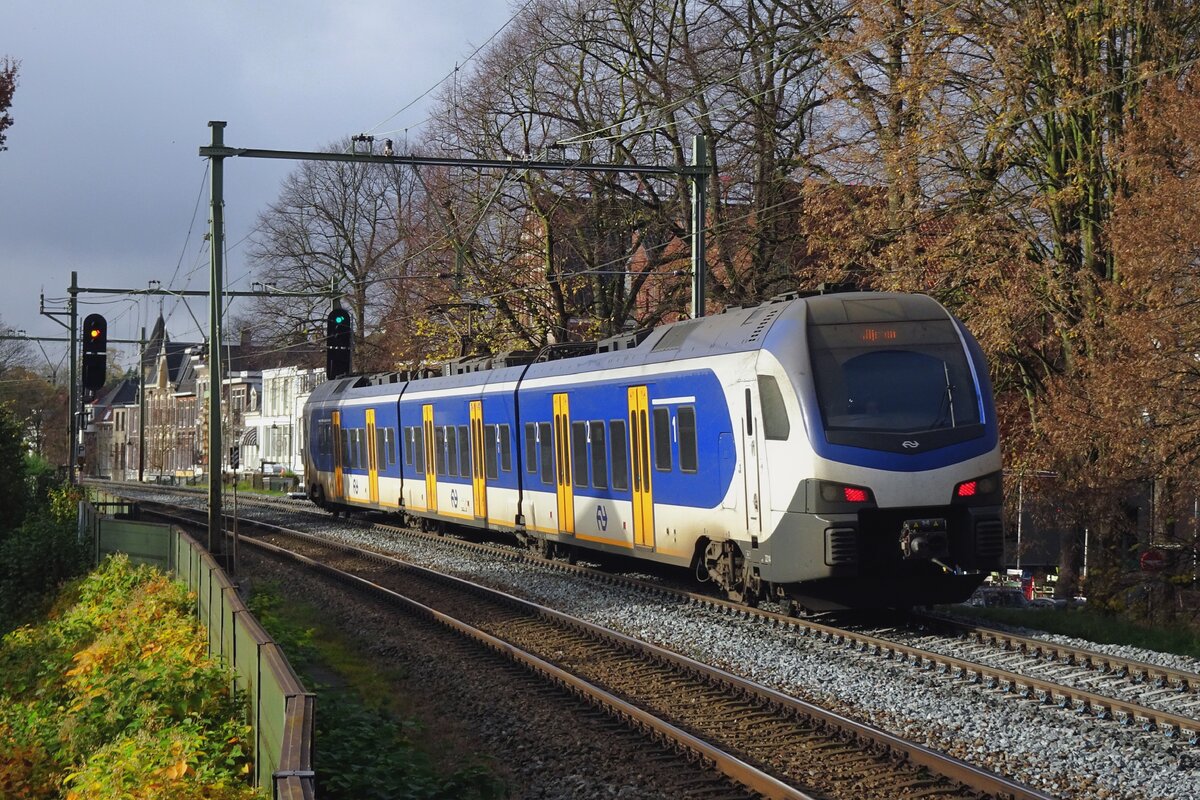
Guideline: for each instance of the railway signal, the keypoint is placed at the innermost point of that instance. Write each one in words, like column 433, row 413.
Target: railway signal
column 95, row 351
column 338, row 344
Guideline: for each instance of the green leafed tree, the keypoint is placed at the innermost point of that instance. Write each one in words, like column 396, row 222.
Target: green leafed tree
column 14, row 491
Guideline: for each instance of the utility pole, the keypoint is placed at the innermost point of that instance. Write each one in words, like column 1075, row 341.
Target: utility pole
column 215, row 367
column 142, row 409
column 699, row 195
column 76, row 408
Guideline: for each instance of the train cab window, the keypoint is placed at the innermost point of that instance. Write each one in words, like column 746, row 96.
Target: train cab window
column 546, row 452
column 464, row 451
column 686, row 418
column 505, row 448
column 599, row 455
column 531, row 453
column 439, row 449
column 620, row 454
column 775, row 422
column 662, row 439
column 491, row 451
column 579, row 452
column 419, row 449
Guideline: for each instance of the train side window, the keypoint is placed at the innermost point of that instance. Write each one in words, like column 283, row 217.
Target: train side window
column 451, row 451
column 775, row 422
column 620, row 454
column 409, row 436
column 662, row 439
column 491, row 451
column 323, row 437
column 531, row 453
column 579, row 452
column 599, row 455
column 505, row 448
column 686, row 417
column 380, row 448
column 464, row 451
column 391, row 445
column 546, row 451
column 419, row 449
column 439, row 449
column 360, row 447
column 347, row 453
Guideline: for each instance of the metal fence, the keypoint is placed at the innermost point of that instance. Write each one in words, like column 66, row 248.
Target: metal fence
column 281, row 711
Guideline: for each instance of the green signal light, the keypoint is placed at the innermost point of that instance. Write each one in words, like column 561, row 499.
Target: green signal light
column 339, row 319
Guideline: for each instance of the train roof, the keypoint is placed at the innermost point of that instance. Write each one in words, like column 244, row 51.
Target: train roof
column 733, row 331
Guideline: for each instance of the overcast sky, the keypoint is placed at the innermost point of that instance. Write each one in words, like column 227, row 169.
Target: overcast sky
column 102, row 172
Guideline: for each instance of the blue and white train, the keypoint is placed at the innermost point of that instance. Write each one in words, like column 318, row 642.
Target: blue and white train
column 830, row 451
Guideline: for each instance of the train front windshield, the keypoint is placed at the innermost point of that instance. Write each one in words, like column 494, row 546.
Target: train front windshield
column 898, row 377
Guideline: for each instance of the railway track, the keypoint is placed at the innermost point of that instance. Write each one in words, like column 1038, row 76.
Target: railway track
column 769, row 743
column 1107, row 687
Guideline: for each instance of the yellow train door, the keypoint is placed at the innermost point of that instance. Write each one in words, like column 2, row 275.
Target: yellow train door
column 562, row 464
column 478, row 475
column 639, row 441
column 372, row 459
column 336, row 424
column 431, row 503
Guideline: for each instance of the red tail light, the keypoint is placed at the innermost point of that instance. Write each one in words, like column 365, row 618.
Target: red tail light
column 966, row 489
column 854, row 495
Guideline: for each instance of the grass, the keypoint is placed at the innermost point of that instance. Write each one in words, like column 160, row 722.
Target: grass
column 365, row 746
column 1085, row 623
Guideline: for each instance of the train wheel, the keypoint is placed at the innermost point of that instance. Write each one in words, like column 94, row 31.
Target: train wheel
column 542, row 547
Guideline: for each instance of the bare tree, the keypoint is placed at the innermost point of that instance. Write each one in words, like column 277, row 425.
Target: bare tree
column 336, row 227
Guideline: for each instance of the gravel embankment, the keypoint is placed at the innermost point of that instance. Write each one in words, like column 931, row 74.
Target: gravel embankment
column 1060, row 752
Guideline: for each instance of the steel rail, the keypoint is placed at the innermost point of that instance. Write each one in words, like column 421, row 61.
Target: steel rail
column 1141, row 671
column 954, row 769
column 1049, row 692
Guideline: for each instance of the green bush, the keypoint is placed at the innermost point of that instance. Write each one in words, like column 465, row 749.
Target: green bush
column 35, row 560
column 115, row 697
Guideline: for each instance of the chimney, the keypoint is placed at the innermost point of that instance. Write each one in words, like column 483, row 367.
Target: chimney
column 245, row 337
